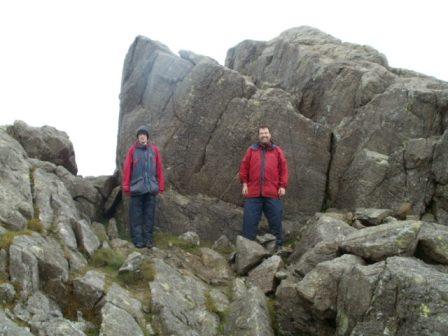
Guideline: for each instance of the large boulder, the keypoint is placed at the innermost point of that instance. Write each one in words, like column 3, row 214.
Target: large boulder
column 45, row 143
column 179, row 303
column 401, row 296
column 192, row 107
column 384, row 120
column 379, row 242
column 248, row 254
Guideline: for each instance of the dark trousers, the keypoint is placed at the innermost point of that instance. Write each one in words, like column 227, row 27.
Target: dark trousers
column 272, row 209
column 141, row 216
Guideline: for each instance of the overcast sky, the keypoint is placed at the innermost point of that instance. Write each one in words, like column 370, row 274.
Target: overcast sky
column 61, row 61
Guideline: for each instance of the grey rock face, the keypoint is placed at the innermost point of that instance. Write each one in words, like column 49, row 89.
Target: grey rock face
column 36, row 261
column 263, row 276
column 379, row 242
column 369, row 216
column 10, row 328
column 248, row 254
column 45, row 143
column 248, row 315
column 208, row 217
column 16, row 202
column 117, row 322
column 433, row 242
column 89, row 288
column 87, row 239
column 407, row 297
column 320, row 286
column 179, row 303
column 319, row 228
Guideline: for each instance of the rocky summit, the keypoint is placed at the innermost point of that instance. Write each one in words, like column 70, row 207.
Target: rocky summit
column 366, row 210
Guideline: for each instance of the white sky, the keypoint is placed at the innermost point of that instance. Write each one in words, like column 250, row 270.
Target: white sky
column 61, row 61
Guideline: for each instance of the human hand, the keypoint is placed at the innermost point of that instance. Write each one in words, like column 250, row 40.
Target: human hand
column 245, row 189
column 281, row 192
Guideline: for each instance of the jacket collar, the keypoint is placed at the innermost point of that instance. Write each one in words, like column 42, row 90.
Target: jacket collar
column 257, row 146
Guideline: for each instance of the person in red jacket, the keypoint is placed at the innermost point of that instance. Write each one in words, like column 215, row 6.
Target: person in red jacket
column 264, row 175
column 142, row 180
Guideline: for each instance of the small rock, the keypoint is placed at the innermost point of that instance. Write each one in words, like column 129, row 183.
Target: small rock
column 112, row 230
column 248, row 254
column 87, row 239
column 190, row 237
column 132, row 262
column 371, row 216
column 223, row 245
column 89, row 288
column 100, row 231
column 263, row 276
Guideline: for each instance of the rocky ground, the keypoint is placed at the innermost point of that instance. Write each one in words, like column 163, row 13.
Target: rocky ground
column 366, row 227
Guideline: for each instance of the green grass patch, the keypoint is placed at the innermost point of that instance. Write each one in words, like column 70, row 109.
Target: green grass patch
column 142, row 277
column 34, row 224
column 273, row 315
column 107, row 258
column 7, row 238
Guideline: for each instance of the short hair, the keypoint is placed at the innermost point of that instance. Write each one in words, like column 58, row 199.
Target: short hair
column 262, row 127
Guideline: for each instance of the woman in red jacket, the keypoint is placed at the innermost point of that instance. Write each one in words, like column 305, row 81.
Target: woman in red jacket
column 264, row 175
column 143, row 179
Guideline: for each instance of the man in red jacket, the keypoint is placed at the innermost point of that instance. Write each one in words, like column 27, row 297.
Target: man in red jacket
column 264, row 175
column 143, row 179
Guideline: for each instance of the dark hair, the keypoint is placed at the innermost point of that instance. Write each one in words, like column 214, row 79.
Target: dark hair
column 262, row 127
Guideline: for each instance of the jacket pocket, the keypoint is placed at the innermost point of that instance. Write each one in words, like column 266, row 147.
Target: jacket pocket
column 138, row 186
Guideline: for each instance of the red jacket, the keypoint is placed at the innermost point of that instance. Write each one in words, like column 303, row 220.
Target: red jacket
column 264, row 171
column 128, row 165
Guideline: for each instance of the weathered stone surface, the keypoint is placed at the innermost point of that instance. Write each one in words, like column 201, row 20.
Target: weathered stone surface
column 179, row 303
column 249, row 315
column 322, row 251
column 319, row 228
column 379, row 242
column 16, row 201
column 89, row 288
column 7, row 293
column 123, row 299
column 112, row 201
column 223, row 244
column 215, row 267
column 263, row 276
column 87, row 198
column 112, row 230
column 76, row 261
column 369, row 216
column 87, row 239
column 248, row 254
column 433, row 243
column 45, row 143
column 320, row 285
column 117, row 322
column 208, row 217
column 294, row 315
column 35, row 262
column 100, row 231
column 402, row 296
column 132, row 262
column 10, row 328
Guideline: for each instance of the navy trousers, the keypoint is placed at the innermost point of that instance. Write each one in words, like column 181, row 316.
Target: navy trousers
column 272, row 209
column 141, row 216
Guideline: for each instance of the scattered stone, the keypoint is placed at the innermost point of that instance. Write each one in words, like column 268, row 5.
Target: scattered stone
column 190, row 237
column 379, row 242
column 90, row 288
column 248, row 254
column 7, row 293
column 371, row 216
column 433, row 243
column 112, row 230
column 264, row 275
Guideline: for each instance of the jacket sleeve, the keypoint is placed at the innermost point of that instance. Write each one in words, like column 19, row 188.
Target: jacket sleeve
column 127, row 171
column 283, row 169
column 244, row 167
column 159, row 166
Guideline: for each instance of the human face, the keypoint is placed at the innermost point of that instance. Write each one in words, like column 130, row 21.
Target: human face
column 142, row 139
column 264, row 136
